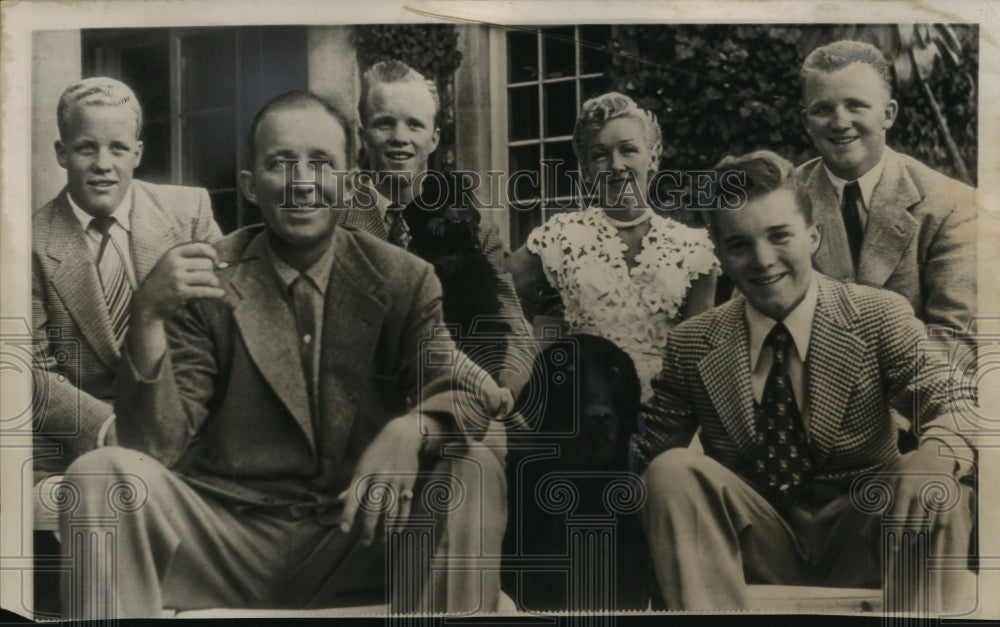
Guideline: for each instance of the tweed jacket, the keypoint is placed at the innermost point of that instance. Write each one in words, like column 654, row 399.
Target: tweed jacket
column 920, row 239
column 864, row 358
column 228, row 408
column 75, row 353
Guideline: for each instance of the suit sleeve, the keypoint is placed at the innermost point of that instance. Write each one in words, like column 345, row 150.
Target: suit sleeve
column 949, row 272
column 669, row 421
column 510, row 306
column 445, row 383
column 205, row 228
column 917, row 373
column 161, row 416
column 62, row 409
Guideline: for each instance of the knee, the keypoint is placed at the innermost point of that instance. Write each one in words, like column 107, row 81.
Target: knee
column 102, row 482
column 107, row 460
column 477, row 470
column 674, row 467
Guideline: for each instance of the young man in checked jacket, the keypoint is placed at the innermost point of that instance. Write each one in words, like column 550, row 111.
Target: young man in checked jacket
column 791, row 384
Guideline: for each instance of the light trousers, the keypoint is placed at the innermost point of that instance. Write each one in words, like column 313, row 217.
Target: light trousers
column 711, row 533
column 141, row 539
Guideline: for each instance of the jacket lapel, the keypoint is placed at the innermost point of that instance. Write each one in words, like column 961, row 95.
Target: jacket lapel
column 151, row 232
column 77, row 283
column 890, row 225
column 267, row 327
column 833, row 257
column 352, row 319
column 725, row 371
column 834, row 359
column 368, row 220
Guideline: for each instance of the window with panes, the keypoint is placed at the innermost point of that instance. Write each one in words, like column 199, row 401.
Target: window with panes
column 551, row 71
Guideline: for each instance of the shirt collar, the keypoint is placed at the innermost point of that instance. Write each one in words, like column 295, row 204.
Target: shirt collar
column 122, row 214
column 798, row 322
column 318, row 273
column 866, row 182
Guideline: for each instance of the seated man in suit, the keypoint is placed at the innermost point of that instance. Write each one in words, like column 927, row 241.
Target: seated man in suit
column 103, row 237
column 791, row 384
column 288, row 415
column 424, row 211
column 884, row 219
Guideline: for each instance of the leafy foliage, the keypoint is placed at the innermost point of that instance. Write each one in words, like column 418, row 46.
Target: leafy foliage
column 432, row 50
column 956, row 91
column 728, row 89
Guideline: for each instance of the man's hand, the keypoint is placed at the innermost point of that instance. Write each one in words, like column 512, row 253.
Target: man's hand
column 184, row 272
column 392, row 457
column 910, row 475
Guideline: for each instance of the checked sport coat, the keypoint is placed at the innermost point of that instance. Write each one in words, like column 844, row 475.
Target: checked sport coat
column 76, row 356
column 864, row 358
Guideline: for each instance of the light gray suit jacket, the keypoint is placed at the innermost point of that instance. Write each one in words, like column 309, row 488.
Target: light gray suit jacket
column 920, row 239
column 76, row 357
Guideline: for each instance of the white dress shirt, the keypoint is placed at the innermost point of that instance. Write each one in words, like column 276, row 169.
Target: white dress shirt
column 867, row 183
column 120, row 232
column 799, row 325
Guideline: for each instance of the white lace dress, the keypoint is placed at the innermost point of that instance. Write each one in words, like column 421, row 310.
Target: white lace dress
column 584, row 259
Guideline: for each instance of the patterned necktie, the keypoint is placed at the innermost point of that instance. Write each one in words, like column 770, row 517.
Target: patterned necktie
column 305, row 323
column 784, row 462
column 114, row 278
column 397, row 229
column 850, row 210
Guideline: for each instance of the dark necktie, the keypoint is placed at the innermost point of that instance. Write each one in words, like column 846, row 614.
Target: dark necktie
column 783, row 465
column 114, row 278
column 850, row 210
column 398, row 230
column 305, row 323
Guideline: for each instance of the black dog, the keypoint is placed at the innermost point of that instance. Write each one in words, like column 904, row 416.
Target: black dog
column 446, row 233
column 580, row 410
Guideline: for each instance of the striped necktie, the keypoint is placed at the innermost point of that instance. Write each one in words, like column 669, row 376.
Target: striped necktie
column 114, row 278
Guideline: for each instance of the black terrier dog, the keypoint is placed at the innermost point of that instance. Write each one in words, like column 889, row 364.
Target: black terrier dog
column 446, row 233
column 567, row 465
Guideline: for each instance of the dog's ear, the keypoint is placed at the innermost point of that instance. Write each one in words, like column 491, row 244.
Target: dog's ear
column 631, row 391
column 546, row 401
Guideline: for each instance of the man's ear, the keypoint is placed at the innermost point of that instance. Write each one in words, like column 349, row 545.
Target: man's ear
column 891, row 109
column 814, row 238
column 137, row 154
column 436, row 139
column 248, row 185
column 62, row 153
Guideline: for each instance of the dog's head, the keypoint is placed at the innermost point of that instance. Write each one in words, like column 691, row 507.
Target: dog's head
column 440, row 224
column 584, row 395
